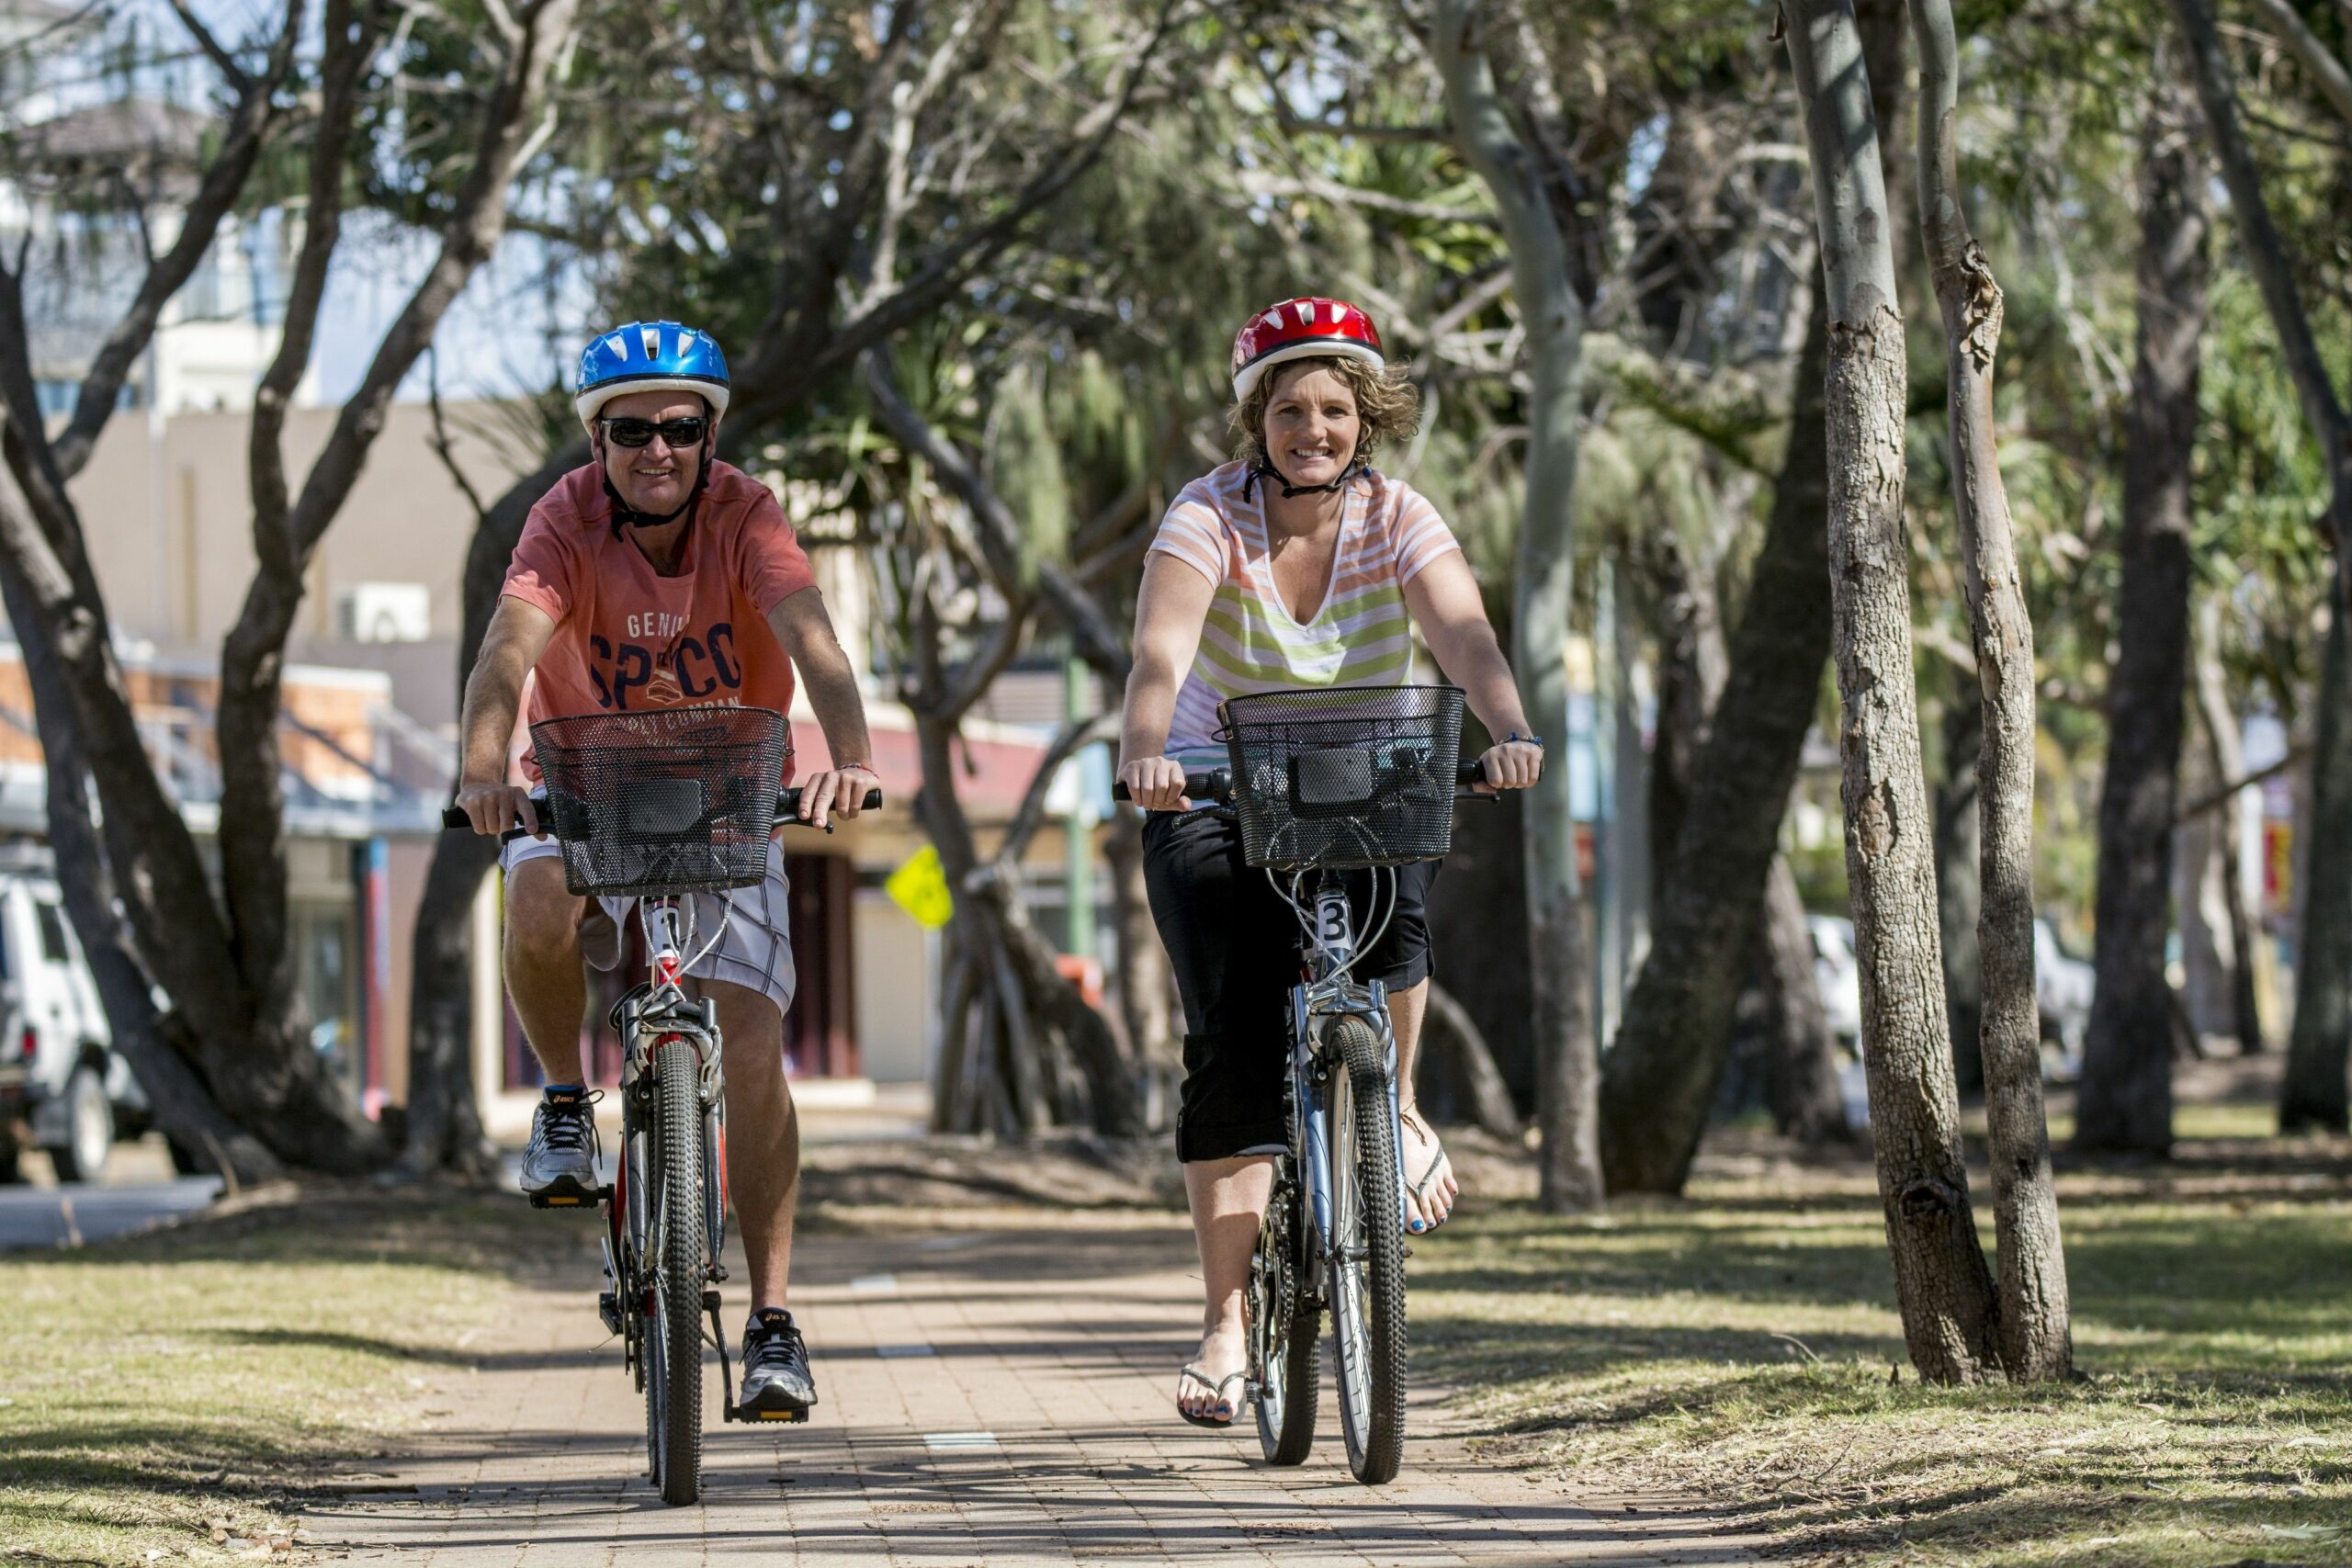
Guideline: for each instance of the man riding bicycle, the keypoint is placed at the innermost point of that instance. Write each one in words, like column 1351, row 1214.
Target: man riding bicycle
column 657, row 577
column 1297, row 566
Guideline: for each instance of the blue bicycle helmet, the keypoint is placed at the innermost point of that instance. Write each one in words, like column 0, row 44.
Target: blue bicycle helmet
column 650, row 357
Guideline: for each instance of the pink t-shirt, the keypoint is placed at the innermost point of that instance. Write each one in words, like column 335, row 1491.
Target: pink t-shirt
column 628, row 640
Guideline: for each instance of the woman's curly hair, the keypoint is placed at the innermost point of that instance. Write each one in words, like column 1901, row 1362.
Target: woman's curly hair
column 1388, row 404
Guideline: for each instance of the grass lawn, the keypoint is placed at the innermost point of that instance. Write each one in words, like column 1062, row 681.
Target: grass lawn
column 160, row 1395
column 1741, row 1346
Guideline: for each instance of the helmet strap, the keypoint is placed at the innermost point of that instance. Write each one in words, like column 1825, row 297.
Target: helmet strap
column 1265, row 470
column 628, row 516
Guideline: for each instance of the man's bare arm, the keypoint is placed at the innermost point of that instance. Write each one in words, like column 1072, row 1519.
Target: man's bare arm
column 518, row 634
column 804, row 628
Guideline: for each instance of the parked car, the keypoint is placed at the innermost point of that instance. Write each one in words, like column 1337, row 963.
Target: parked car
column 1840, row 978
column 62, row 1087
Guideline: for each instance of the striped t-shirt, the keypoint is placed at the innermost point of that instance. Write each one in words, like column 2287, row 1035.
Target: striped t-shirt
column 1361, row 636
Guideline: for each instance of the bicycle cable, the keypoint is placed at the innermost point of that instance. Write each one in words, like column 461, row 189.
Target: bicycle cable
column 687, row 924
column 726, row 910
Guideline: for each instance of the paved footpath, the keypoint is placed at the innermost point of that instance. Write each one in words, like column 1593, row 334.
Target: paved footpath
column 998, row 1398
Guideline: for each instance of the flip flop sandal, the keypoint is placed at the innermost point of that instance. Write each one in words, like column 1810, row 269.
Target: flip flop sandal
column 1421, row 1188
column 1218, row 1387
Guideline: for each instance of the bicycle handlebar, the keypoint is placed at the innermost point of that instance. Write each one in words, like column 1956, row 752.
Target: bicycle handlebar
column 1216, row 784
column 787, row 810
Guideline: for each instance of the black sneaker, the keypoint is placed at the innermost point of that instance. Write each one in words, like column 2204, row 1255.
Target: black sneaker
column 560, row 1165
column 776, row 1384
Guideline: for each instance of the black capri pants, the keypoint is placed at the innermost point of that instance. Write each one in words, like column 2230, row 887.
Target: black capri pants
column 1233, row 942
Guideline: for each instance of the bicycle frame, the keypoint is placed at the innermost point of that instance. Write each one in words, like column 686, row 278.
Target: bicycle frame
column 655, row 1013
column 1326, row 992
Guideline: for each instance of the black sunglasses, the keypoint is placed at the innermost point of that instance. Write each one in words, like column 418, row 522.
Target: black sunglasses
column 686, row 432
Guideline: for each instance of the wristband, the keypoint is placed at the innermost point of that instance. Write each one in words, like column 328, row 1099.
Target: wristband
column 1534, row 741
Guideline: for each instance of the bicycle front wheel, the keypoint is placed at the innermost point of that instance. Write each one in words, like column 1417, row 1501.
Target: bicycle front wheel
column 674, row 1389
column 1367, row 1258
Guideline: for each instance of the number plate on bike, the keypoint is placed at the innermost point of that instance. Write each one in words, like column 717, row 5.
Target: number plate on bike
column 1334, row 925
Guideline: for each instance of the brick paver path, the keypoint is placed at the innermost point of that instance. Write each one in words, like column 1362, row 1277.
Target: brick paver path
column 988, row 1397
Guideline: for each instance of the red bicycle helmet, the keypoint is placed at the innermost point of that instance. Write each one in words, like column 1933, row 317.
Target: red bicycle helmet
column 1310, row 327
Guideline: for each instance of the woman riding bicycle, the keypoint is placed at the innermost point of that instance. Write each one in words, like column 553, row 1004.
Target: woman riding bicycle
column 1296, row 566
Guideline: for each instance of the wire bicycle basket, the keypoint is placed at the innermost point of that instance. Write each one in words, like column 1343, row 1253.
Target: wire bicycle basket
column 680, row 800
column 1346, row 776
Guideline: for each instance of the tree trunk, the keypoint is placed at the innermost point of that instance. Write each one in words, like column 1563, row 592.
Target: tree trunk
column 444, row 1117
column 253, row 655
column 2218, row 725
column 1452, row 1044
column 1957, row 897
column 2207, row 957
column 2036, row 1335
column 269, row 1081
column 1942, row 1286
column 1147, row 988
column 1084, row 1041
column 1552, row 317
column 1486, row 878
column 2313, row 1093
column 1043, row 1053
column 183, row 1108
column 1691, row 668
column 2125, row 1104
column 2313, row 1097
column 1658, row 1081
column 1799, row 1058
column 444, row 1129
column 1659, row 1078
column 1801, row 1071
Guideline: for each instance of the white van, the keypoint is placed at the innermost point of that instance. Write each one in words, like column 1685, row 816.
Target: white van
column 62, row 1087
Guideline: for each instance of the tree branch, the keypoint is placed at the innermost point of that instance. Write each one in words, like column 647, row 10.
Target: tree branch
column 1370, row 200
column 475, row 223
column 2266, row 250
column 1074, row 738
column 251, row 827
column 440, row 439
column 1099, row 642
column 2327, row 72
column 224, row 180
column 349, row 41
column 2295, row 757
column 795, row 361
column 222, row 61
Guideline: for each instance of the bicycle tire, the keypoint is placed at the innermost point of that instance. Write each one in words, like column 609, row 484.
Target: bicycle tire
column 635, row 1222
column 1282, row 1330
column 673, row 1394
column 1367, row 1297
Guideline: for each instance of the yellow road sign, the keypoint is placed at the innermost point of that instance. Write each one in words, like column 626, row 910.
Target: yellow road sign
column 920, row 887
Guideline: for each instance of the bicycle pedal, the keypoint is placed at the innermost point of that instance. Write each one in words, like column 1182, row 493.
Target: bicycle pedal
column 570, row 1198
column 608, row 1307
column 789, row 1417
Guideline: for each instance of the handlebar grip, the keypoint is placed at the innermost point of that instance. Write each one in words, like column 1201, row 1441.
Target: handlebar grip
column 1214, row 785
column 451, row 818
column 787, row 802
column 1469, row 771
